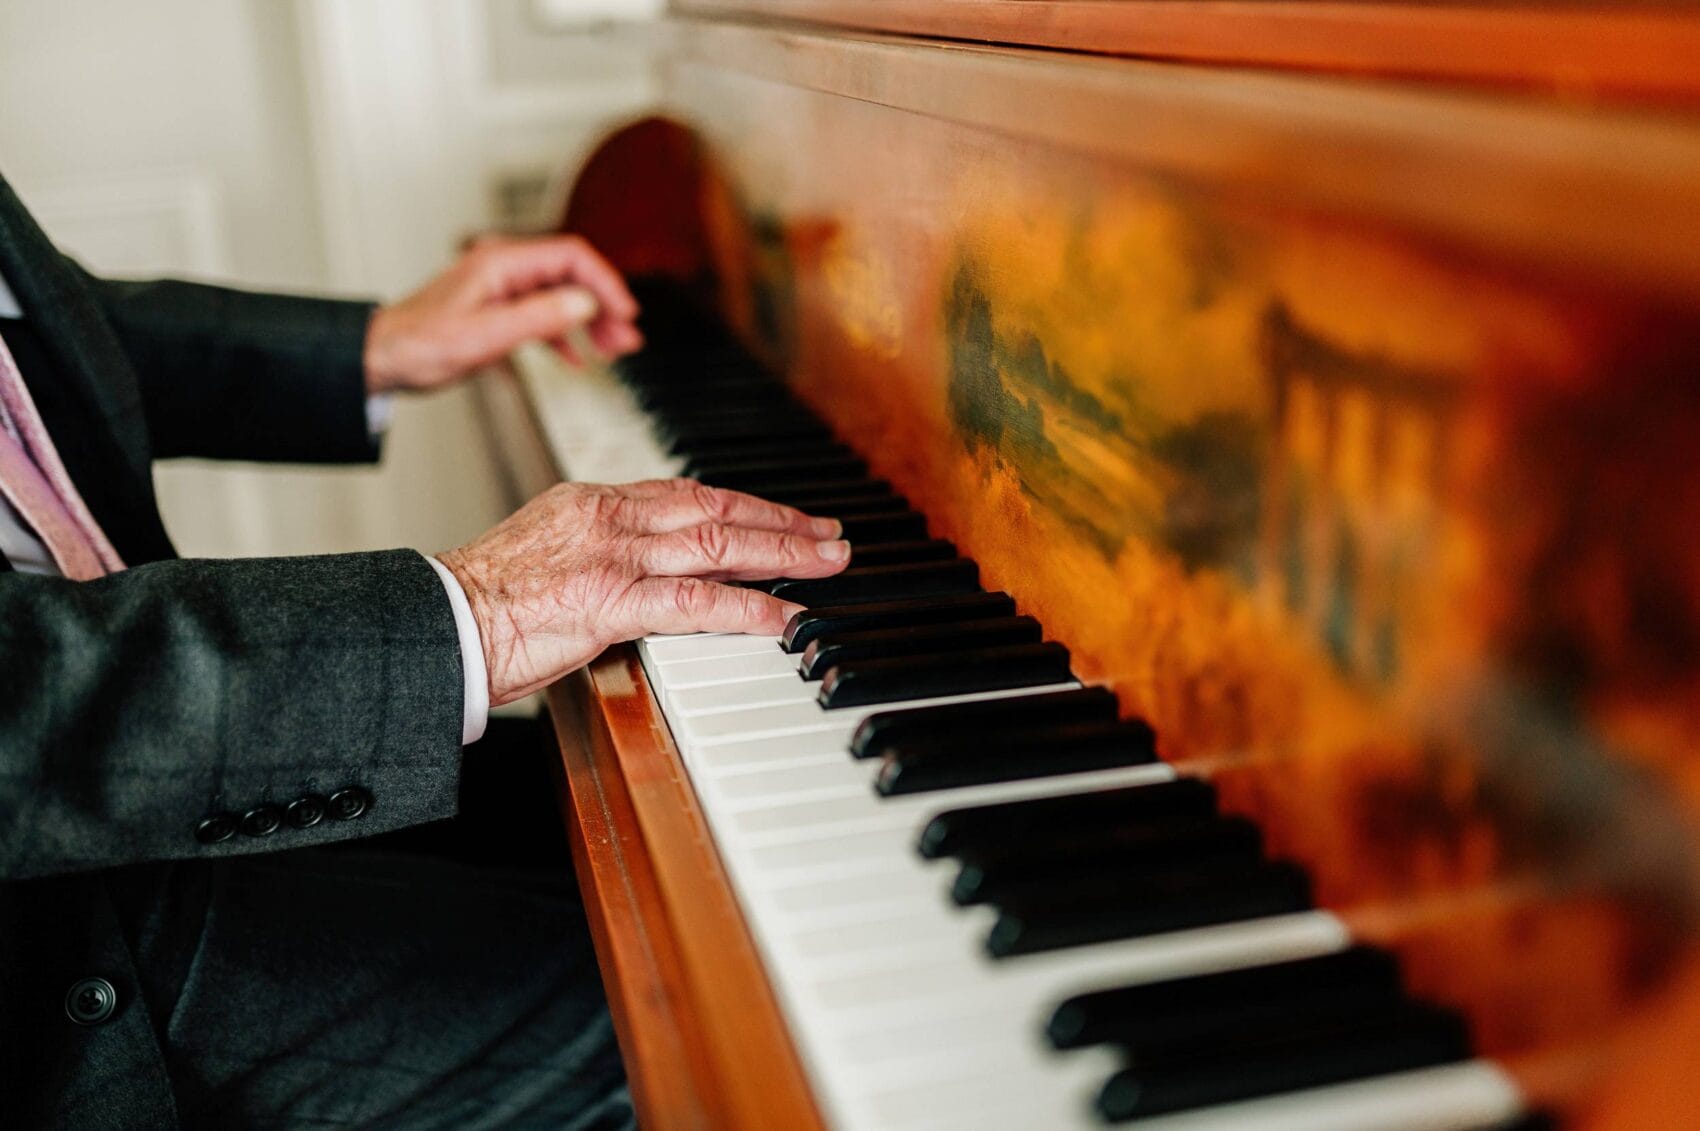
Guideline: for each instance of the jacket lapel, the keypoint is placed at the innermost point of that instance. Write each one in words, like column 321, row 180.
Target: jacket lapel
column 98, row 400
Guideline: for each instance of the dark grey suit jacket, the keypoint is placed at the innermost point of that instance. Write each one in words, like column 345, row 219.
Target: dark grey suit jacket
column 133, row 707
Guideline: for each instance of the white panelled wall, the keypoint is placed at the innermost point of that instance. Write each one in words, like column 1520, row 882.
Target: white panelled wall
column 334, row 146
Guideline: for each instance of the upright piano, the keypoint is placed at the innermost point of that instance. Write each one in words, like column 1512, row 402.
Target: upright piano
column 1266, row 690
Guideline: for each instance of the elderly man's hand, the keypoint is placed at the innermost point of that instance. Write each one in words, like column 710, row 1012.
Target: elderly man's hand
column 584, row 566
column 498, row 294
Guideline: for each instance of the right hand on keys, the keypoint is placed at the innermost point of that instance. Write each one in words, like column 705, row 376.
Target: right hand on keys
column 583, row 566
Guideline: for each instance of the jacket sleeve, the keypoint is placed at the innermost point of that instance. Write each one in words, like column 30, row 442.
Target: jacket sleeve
column 135, row 706
column 229, row 374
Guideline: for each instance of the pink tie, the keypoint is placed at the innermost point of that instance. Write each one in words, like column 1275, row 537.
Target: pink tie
column 34, row 481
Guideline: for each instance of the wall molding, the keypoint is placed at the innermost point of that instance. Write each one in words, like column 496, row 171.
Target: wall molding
column 167, row 220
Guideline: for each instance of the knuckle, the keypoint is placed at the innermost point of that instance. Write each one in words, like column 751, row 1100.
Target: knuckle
column 603, row 511
column 691, row 597
column 793, row 551
column 714, row 502
column 713, row 543
column 754, row 604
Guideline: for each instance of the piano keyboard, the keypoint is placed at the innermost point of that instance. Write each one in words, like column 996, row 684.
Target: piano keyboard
column 999, row 910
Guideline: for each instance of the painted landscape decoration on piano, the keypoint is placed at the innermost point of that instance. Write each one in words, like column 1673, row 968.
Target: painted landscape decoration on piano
column 1319, row 532
column 1391, row 542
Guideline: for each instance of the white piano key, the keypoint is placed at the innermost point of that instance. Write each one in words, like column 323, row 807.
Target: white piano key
column 803, row 819
column 721, row 698
column 1025, row 1084
column 858, row 850
column 757, row 754
column 717, row 670
column 835, row 893
column 667, row 650
column 803, row 717
column 815, row 776
column 902, row 928
column 595, row 427
column 922, row 986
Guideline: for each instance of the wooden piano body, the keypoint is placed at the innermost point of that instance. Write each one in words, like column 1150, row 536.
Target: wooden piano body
column 1345, row 426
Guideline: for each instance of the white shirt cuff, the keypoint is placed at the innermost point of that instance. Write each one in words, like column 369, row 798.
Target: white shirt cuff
column 380, row 410
column 475, row 709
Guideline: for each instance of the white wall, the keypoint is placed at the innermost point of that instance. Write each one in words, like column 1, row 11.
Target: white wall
column 320, row 145
column 207, row 92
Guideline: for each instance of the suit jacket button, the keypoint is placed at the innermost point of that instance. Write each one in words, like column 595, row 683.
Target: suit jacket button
column 262, row 820
column 216, row 828
column 348, row 804
column 305, row 811
column 91, row 1001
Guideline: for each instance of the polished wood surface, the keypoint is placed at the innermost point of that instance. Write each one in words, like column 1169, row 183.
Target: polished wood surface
column 1582, row 53
column 702, row 1037
column 1355, row 422
column 1607, row 193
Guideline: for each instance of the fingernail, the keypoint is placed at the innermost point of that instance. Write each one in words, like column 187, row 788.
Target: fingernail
column 578, row 304
column 834, row 551
column 790, row 611
column 827, row 528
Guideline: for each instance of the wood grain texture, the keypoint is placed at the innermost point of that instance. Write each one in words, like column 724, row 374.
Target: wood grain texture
column 1614, row 52
column 672, row 1079
column 1608, row 193
column 704, row 1042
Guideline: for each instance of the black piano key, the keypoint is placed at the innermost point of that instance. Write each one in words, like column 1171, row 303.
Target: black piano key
column 1122, row 908
column 955, row 763
column 913, row 640
column 735, row 388
column 760, row 480
column 883, row 583
column 1088, row 883
column 901, row 553
column 726, row 472
column 829, row 507
column 961, row 830
column 818, row 494
column 890, row 526
column 1091, row 1018
column 759, row 451
column 807, row 626
column 883, row 554
column 1398, row 1039
column 860, row 683
column 742, row 419
column 994, row 872
column 695, row 439
column 1145, row 1013
column 1054, row 708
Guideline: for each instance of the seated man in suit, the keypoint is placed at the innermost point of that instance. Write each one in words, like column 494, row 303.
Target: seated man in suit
column 168, row 726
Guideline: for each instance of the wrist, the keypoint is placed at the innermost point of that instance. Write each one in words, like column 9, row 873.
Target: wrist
column 485, row 618
column 384, row 372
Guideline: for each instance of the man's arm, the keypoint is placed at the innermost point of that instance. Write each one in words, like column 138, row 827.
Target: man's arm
column 229, row 374
column 138, row 705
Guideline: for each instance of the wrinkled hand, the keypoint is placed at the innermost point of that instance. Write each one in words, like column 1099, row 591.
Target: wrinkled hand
column 583, row 566
column 498, row 294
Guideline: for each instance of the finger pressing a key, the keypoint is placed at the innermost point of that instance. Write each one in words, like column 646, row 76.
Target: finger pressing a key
column 718, row 551
column 679, row 503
